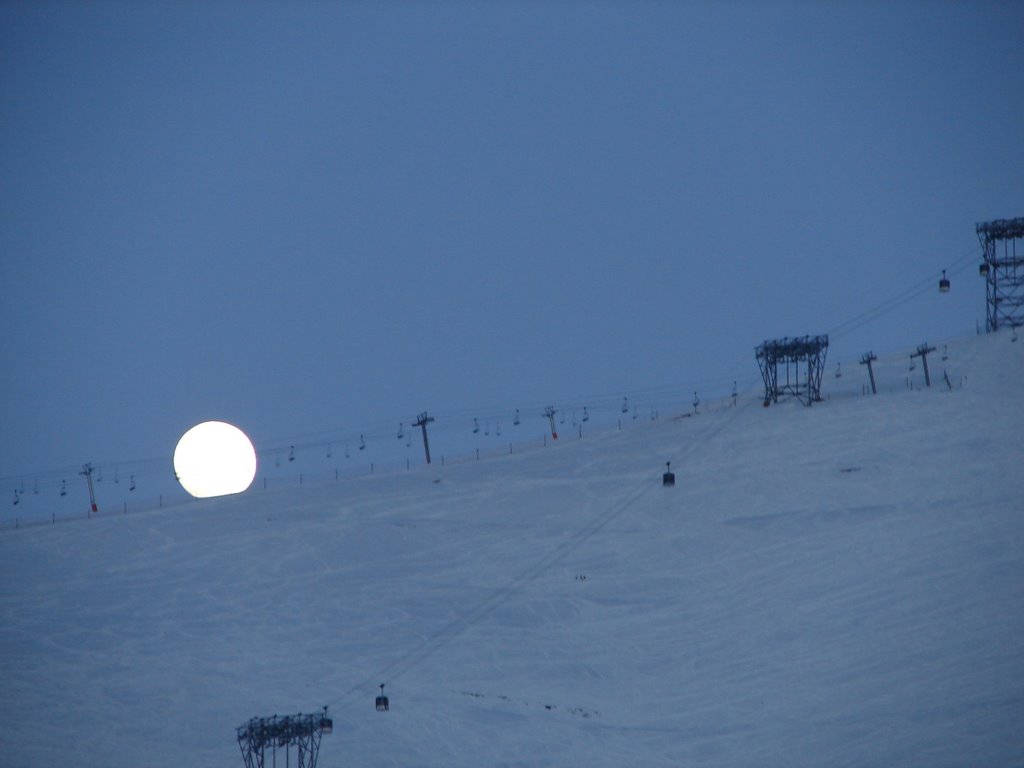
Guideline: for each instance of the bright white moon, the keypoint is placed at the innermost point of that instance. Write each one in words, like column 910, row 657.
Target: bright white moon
column 214, row 459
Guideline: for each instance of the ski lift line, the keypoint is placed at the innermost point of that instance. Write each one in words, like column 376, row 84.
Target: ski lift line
column 456, row 627
column 923, row 286
column 580, row 400
column 880, row 309
column 381, row 428
column 52, row 478
column 666, row 396
column 597, row 402
column 662, row 396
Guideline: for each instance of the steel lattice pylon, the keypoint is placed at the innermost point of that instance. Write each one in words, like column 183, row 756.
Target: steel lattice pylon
column 1003, row 244
column 790, row 353
column 268, row 734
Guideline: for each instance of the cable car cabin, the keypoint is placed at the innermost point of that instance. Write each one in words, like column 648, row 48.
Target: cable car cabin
column 382, row 700
column 326, row 725
column 669, row 478
column 983, row 269
column 944, row 283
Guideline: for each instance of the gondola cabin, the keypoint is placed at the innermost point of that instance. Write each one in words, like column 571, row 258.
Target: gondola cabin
column 382, row 700
column 944, row 283
column 669, row 478
column 326, row 724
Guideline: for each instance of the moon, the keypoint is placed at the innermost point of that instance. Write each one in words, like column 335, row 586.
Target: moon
column 214, row 459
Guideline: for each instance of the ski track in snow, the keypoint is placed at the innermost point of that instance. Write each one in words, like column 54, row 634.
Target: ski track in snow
column 834, row 585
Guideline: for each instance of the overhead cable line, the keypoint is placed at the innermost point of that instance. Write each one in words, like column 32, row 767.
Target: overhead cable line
column 905, row 296
column 456, row 627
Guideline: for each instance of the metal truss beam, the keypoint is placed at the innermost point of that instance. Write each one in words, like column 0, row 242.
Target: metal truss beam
column 263, row 735
column 791, row 354
column 1002, row 242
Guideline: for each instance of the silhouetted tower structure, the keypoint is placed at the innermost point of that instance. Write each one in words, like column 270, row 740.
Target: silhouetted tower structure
column 87, row 470
column 266, row 735
column 422, row 422
column 549, row 412
column 922, row 352
column 867, row 359
column 790, row 354
column 1002, row 242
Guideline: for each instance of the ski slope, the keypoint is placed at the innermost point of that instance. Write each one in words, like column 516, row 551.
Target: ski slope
column 834, row 585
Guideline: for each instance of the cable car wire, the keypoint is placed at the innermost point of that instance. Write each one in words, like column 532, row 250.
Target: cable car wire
column 456, row 627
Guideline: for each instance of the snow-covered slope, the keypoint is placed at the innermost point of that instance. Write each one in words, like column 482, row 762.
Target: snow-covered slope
column 834, row 585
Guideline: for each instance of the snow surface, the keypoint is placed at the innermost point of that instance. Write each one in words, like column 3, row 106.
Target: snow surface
column 834, row 585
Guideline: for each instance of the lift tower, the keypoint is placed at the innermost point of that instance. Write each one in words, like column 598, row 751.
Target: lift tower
column 1003, row 269
column 266, row 735
column 790, row 354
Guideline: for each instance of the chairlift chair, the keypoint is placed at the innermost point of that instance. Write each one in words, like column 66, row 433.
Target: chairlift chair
column 382, row 701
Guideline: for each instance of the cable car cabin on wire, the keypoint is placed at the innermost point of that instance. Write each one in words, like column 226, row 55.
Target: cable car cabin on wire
column 382, row 701
column 944, row 283
column 669, row 477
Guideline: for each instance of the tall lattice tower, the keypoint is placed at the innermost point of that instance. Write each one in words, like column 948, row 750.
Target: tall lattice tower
column 789, row 354
column 1003, row 269
column 269, row 734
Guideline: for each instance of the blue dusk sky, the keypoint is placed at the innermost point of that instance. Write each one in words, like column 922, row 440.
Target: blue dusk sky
column 316, row 220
